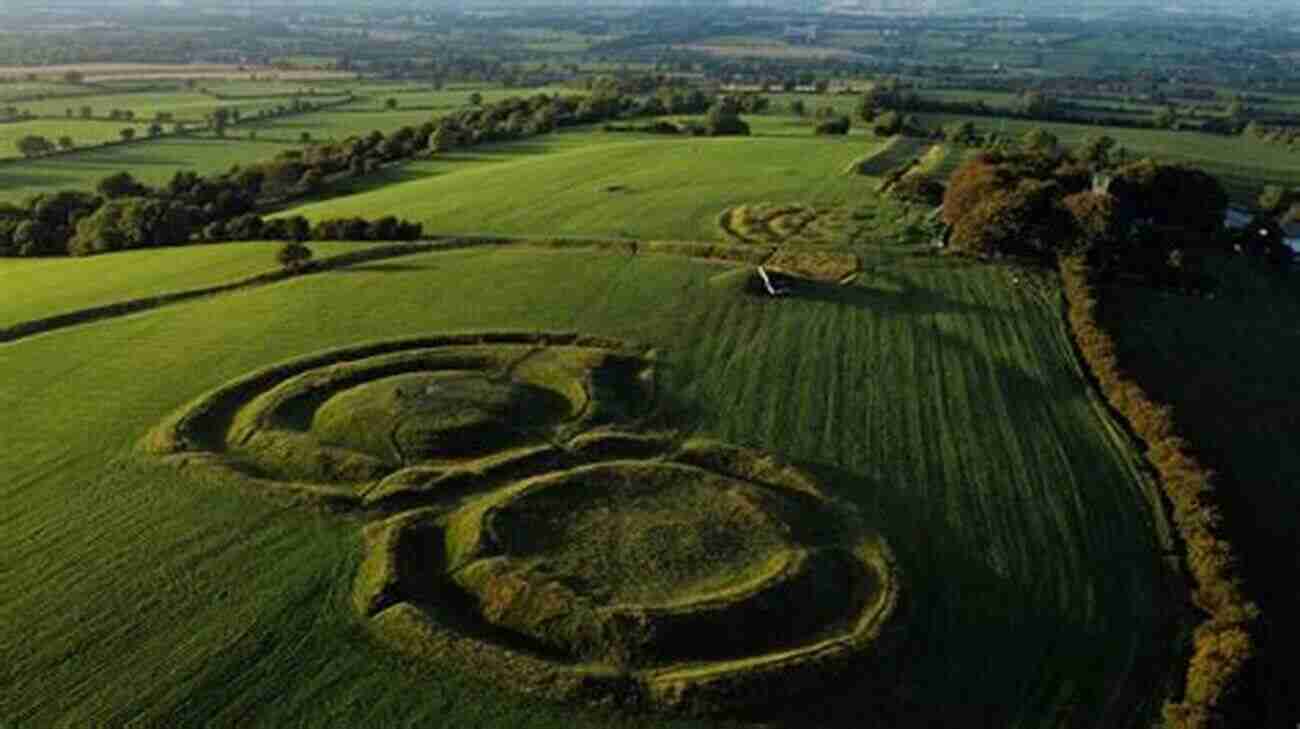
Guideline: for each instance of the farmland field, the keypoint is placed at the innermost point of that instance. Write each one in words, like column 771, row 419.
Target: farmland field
column 614, row 185
column 183, row 105
column 82, row 132
column 151, row 161
column 936, row 396
column 44, row 287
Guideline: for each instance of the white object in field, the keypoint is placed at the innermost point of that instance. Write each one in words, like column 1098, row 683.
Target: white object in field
column 767, row 284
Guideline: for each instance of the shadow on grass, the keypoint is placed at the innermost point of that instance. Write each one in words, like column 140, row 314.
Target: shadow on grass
column 385, row 268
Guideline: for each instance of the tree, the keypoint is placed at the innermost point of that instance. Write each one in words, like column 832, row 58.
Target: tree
column 65, row 142
column 391, row 103
column 1165, row 118
column 120, row 185
column 73, row 77
column 155, row 130
column 293, row 255
column 1096, row 149
column 1026, row 220
column 127, row 134
column 33, row 145
column 1171, row 196
column 1040, row 141
column 888, row 124
column 305, row 137
column 724, row 118
column 797, row 107
column 476, row 99
column 1275, row 198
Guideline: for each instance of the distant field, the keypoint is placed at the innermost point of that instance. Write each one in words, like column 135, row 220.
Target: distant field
column 189, row 106
column 44, row 287
column 21, row 89
column 1242, row 164
column 82, row 132
column 134, row 71
column 613, row 185
column 335, row 124
column 937, row 397
column 153, row 161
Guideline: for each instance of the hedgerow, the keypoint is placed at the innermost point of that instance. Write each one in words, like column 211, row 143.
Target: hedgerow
column 1223, row 644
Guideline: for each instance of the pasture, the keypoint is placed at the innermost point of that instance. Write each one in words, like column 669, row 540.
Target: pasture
column 612, row 185
column 81, row 132
column 153, row 161
column 935, row 395
column 36, row 288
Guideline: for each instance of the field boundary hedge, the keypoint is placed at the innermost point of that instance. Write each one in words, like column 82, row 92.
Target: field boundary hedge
column 33, row 327
column 717, row 252
column 1223, row 643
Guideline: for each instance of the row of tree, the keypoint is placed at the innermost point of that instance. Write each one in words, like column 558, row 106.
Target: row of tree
column 125, row 213
column 1141, row 219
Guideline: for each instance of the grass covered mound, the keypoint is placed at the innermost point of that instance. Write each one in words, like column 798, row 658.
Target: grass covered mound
column 421, row 416
column 705, row 581
column 384, row 416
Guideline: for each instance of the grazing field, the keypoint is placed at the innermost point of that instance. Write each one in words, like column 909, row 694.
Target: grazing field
column 81, row 132
column 936, row 396
column 618, row 185
column 337, row 124
column 152, row 161
column 188, row 106
column 1238, row 405
column 36, row 288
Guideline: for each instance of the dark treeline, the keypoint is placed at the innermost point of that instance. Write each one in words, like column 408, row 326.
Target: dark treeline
column 124, row 213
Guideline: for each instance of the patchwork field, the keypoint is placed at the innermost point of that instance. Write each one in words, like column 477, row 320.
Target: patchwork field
column 153, row 161
column 937, row 398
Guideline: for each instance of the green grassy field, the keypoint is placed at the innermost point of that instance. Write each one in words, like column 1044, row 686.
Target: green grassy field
column 939, row 398
column 612, row 185
column 151, row 161
column 36, row 288
column 190, row 106
column 82, row 132
column 337, row 124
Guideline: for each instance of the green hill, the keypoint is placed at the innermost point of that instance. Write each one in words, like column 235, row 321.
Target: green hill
column 938, row 397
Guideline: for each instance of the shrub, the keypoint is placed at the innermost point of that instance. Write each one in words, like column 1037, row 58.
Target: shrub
column 919, row 189
column 293, row 255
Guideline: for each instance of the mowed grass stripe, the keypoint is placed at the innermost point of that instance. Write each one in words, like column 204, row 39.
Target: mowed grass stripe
column 619, row 186
column 935, row 396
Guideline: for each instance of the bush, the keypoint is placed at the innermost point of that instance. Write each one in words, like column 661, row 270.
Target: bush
column 293, row 255
column 918, row 189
